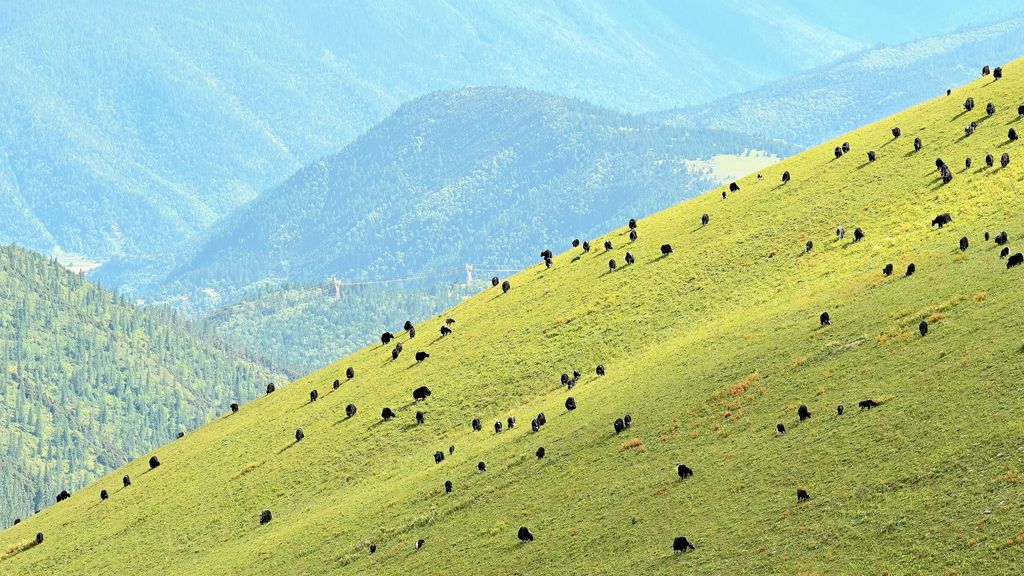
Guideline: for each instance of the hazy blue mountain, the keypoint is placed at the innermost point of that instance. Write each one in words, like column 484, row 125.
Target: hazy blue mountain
column 488, row 176
column 812, row 106
column 126, row 127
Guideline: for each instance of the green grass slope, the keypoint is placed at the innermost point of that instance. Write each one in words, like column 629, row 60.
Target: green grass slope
column 708, row 349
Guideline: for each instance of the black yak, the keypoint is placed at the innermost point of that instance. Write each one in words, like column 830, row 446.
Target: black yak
column 990, row 160
column 986, row 236
column 867, row 404
column 481, row 466
column 266, row 517
column 840, row 232
column 447, row 486
column 607, row 245
column 570, row 403
column 1015, row 260
column 586, row 247
column 917, row 144
column 127, row 480
column 911, row 268
column 153, row 462
column 969, row 104
column 997, row 73
column 871, row 156
column 839, row 410
column 350, row 372
column 548, row 262
column 350, row 410
column 271, row 388
column 104, row 495
column 421, row 356
column 412, row 332
column 681, row 544
column 985, row 70
column 887, row 271
column 449, row 321
column 451, row 449
column 683, row 471
column 387, row 414
column 408, row 325
column 600, row 370
column 540, row 452
column 734, row 187
column 632, row 236
column 629, row 258
column 373, row 548
column 619, row 425
column 785, row 177
column 505, row 286
column 234, row 406
column 476, row 425
column 337, row 384
column 420, row 393
column 942, row 219
column 395, row 352
column 495, row 281
column 420, row 417
column 534, row 425
column 438, row 457
column 846, row 147
column 896, row 132
column 838, row 152
column 565, row 378
column 64, row 495
column 181, row 435
column 923, row 328
column 990, row 109
column 1004, row 252
column 542, row 419
column 576, row 243
column 546, row 254
column 946, row 174
column 313, row 395
column 967, row 162
column 420, row 543
column 964, row 244
column 858, row 235
column 627, row 420
column 802, row 495
column 704, row 220
column 497, row 426
column 525, row 535
column 1020, row 110
column 299, row 435
column 970, row 128
column 825, row 319
column 1012, row 135
column 666, row 249
column 1004, row 160
column 1001, row 238
column 612, row 265
column 780, row 428
column 386, row 338
column 445, row 331
column 803, row 412
column 809, row 246
column 511, row 421
column 632, row 223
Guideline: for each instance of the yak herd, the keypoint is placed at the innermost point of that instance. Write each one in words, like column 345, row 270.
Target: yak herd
column 680, row 543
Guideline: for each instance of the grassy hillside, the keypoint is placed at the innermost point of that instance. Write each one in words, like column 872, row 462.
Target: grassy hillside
column 708, row 349
column 90, row 381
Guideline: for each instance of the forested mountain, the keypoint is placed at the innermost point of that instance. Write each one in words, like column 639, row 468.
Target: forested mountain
column 90, row 381
column 817, row 104
column 127, row 126
column 486, row 176
column 302, row 327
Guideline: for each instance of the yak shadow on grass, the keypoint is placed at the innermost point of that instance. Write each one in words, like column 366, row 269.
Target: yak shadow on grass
column 288, row 447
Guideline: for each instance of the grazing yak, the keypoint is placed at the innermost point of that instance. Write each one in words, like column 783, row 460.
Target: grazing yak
column 840, row 233
column 575, row 242
column 337, row 384
column 785, row 177
column 420, row 417
column 542, row 419
column 234, row 407
column 1004, row 160
column 825, row 319
column 447, row 486
column 967, row 162
column 802, row 495
column 64, row 495
column 911, row 268
column 511, row 421
column 350, row 410
column 683, row 471
column 412, row 332
column 990, row 108
column 395, row 352
column 525, row 535
column 104, row 495
column 1012, row 135
column 632, row 223
column 408, row 325
column 586, row 247
column 1001, row 238
column 313, row 395
column 570, row 403
column 704, row 220
column 867, row 404
column 780, row 428
column 809, row 246
column 612, row 265
column 548, row 262
column 271, row 388
column 181, row 435
column 666, row 249
column 540, row 452
column 887, row 271
column 629, row 258
column 299, row 435
column 481, row 466
column 373, row 548
column 421, row 356
column 421, row 393
column 942, row 219
column 438, row 457
column 896, row 132
column 350, row 373
column 990, row 160
column 1015, row 260
column 497, row 426
column 734, row 187
column 627, row 420
column 600, row 370
column 1020, row 110
column 619, row 425
column 476, row 425
column 871, row 156
column 680, row 544
column 495, row 281
column 386, row 338
column 964, row 244
column 451, row 449
column 997, row 73
column 838, row 152
column 633, row 236
column 445, row 331
column 923, row 328
column 839, row 410
column 266, row 517
column 505, row 287
column 946, row 174
column 1004, row 252
column 153, row 462
column 846, row 147
column 387, row 413
column 126, row 480
column 449, row 321
column 546, row 254
column 985, row 70
column 803, row 412
column 858, row 235
column 420, row 543
column 969, row 129
column 969, row 104
column 534, row 425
